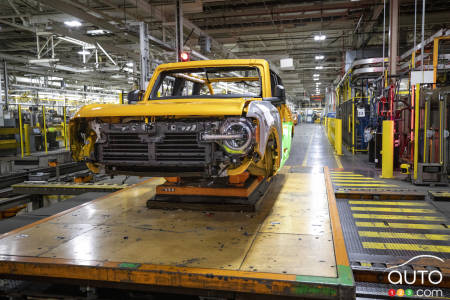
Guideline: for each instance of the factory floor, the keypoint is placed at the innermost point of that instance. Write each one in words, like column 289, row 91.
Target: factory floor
column 311, row 151
column 291, row 241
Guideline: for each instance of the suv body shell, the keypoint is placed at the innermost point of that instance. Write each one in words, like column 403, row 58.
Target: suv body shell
column 271, row 118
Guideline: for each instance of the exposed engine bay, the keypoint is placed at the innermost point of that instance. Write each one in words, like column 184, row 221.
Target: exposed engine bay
column 194, row 147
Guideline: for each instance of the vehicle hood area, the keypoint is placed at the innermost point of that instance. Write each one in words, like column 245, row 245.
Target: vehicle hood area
column 172, row 107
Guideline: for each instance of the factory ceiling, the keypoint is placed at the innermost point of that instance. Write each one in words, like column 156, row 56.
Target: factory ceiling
column 96, row 42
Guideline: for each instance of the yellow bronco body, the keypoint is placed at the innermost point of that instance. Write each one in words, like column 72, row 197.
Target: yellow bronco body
column 210, row 118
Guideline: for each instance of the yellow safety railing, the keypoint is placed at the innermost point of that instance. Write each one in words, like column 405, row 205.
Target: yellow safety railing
column 334, row 132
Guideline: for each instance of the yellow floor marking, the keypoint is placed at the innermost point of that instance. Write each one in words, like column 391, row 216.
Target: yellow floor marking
column 341, row 172
column 357, row 181
column 364, row 184
column 398, row 203
column 401, row 225
column 366, row 264
column 403, row 235
column 338, row 160
column 307, row 152
column 398, row 217
column 394, row 209
column 350, row 177
column 363, row 188
column 407, row 247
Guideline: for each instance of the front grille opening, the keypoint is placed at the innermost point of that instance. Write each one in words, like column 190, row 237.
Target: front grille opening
column 125, row 147
column 180, row 147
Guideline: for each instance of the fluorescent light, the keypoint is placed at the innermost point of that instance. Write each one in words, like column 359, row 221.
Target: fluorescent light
column 84, row 52
column 319, row 67
column 98, row 32
column 315, row 79
column 130, row 64
column 320, row 57
column 318, row 83
column 319, row 37
column 316, row 75
column 73, row 23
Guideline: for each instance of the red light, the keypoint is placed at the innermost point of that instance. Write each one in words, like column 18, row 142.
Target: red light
column 184, row 56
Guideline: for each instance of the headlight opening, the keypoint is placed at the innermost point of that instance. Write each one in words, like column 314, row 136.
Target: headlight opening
column 237, row 127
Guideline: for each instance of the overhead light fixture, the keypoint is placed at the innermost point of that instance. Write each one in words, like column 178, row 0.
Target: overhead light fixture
column 97, row 32
column 316, row 75
column 319, row 57
column 130, row 64
column 319, row 67
column 84, row 52
column 315, row 79
column 319, row 37
column 318, row 83
column 73, row 23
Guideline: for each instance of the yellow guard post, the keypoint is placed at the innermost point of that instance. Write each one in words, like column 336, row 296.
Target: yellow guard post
column 387, row 164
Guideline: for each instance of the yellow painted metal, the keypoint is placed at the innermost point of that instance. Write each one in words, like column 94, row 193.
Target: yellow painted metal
column 66, row 140
column 8, row 144
column 261, row 64
column 121, row 98
column 387, row 162
column 403, row 235
column 8, row 131
column 241, row 169
column 338, row 136
column 19, row 108
column 416, row 128
column 425, row 129
column 232, row 79
column 182, row 107
column 334, row 132
column 398, row 217
column 401, row 225
column 407, row 247
column 45, row 129
column 26, row 129
column 394, row 209
column 353, row 125
column 396, row 203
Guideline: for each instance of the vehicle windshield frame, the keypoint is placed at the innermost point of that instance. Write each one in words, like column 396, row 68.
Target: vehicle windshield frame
column 207, row 70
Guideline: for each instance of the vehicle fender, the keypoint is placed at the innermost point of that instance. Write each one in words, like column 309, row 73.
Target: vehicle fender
column 268, row 118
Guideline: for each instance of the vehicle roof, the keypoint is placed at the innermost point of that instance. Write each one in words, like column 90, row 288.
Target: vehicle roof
column 215, row 63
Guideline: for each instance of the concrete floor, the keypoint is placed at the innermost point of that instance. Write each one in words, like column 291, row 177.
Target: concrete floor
column 311, row 151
